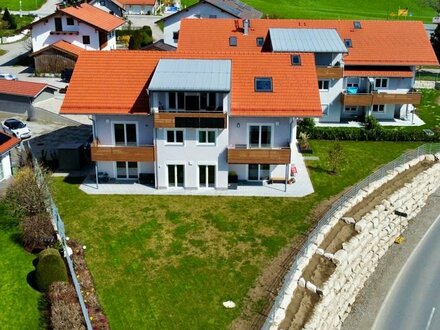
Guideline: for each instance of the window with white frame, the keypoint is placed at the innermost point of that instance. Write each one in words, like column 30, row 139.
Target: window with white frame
column 350, row 109
column 193, row 101
column 174, row 136
column 380, row 83
column 206, row 136
column 353, row 84
column 260, row 136
column 378, row 108
column 324, row 109
column 324, row 85
column 125, row 134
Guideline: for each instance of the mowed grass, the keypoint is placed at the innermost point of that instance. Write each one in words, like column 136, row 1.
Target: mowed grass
column 25, row 4
column 168, row 262
column 337, row 9
column 19, row 303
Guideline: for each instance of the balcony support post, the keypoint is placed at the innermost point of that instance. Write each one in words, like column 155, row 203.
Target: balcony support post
column 286, row 177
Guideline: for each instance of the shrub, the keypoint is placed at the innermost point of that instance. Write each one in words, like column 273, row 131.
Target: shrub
column 50, row 268
column 336, row 158
column 65, row 311
column 371, row 123
column 6, row 15
column 306, row 123
column 35, row 230
column 139, row 39
column 24, row 194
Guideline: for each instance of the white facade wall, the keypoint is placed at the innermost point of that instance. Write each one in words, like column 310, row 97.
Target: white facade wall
column 5, row 163
column 41, row 36
column 139, row 9
column 201, row 10
column 331, row 99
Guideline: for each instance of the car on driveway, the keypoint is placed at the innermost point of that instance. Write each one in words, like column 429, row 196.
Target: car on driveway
column 8, row 76
column 16, row 128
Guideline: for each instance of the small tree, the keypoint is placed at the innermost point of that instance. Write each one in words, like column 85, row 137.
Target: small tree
column 37, row 231
column 336, row 158
column 371, row 123
column 12, row 22
column 6, row 15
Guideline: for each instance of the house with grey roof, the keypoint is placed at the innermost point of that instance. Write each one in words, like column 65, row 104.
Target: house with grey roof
column 206, row 9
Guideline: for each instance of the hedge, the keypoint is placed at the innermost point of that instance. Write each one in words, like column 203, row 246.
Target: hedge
column 50, row 268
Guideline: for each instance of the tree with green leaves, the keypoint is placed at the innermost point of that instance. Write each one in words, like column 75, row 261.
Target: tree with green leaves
column 336, row 158
column 6, row 15
column 434, row 4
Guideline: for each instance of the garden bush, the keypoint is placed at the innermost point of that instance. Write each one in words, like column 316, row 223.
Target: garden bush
column 65, row 311
column 35, row 229
column 50, row 268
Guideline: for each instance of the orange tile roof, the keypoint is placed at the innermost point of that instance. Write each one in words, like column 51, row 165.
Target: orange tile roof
column 94, row 16
column 116, row 82
column 376, row 43
column 21, row 88
column 63, row 46
column 9, row 142
column 363, row 71
column 138, row 2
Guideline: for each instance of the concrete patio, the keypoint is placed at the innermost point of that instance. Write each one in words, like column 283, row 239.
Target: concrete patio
column 412, row 120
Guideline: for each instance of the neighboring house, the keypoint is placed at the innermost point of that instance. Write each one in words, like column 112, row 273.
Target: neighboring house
column 139, row 7
column 7, row 142
column 83, row 26
column 56, row 57
column 21, row 96
column 159, row 45
column 363, row 67
column 113, row 7
column 188, row 120
column 206, row 9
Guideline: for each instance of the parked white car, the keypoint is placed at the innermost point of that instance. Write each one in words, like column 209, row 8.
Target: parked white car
column 8, row 76
column 16, row 128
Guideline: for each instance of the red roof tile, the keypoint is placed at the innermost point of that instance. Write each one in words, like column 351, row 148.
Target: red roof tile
column 376, row 43
column 94, row 16
column 9, row 142
column 63, row 46
column 21, row 88
column 116, row 82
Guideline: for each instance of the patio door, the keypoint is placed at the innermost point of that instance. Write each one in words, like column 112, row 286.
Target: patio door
column 206, row 176
column 125, row 134
column 127, row 170
column 260, row 136
column 258, row 172
column 176, row 175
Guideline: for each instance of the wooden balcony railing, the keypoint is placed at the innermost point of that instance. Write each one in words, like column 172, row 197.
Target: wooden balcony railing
column 122, row 153
column 368, row 99
column 258, row 155
column 329, row 72
column 199, row 119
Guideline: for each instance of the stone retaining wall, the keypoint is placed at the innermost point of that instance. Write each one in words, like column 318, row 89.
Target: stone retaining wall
column 358, row 258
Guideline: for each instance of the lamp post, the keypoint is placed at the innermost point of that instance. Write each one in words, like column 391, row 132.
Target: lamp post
column 400, row 239
column 20, row 10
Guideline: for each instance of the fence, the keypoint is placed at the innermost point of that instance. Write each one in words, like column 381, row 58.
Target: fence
column 380, row 173
column 59, row 228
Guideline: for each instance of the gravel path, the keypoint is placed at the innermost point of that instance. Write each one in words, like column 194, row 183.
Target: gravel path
column 371, row 297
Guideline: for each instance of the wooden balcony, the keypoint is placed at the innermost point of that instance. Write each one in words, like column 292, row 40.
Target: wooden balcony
column 368, row 99
column 258, row 155
column 202, row 119
column 324, row 72
column 122, row 153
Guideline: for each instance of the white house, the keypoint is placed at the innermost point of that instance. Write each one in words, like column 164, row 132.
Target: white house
column 205, row 9
column 139, row 7
column 7, row 142
column 113, row 7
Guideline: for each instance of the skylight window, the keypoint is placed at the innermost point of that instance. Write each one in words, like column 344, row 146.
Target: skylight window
column 233, row 41
column 348, row 43
column 357, row 25
column 260, row 41
column 295, row 59
column 263, row 84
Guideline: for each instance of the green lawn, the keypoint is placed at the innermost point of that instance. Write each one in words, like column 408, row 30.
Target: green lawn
column 21, row 22
column 337, row 9
column 169, row 262
column 25, row 4
column 19, row 303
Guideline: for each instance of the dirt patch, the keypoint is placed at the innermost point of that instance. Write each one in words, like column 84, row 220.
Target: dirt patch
column 368, row 203
column 319, row 270
column 339, row 234
column 300, row 309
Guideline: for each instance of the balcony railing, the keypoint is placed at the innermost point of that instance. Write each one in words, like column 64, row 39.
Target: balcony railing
column 243, row 155
column 143, row 153
column 199, row 119
column 368, row 99
column 329, row 72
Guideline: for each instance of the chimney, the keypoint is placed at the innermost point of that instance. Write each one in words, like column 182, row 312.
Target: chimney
column 246, row 25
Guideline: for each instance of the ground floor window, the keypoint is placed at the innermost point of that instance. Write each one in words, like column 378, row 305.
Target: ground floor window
column 206, row 176
column 350, row 109
column 258, row 172
column 378, row 108
column 127, row 170
column 176, row 175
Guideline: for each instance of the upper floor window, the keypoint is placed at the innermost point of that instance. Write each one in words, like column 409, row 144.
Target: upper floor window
column 295, row 60
column 58, row 24
column 70, row 21
column 378, row 108
column 125, row 134
column 174, row 136
column 193, row 101
column 260, row 136
column 323, row 85
column 206, row 136
column 263, row 84
column 176, row 35
column 381, row 83
column 86, row 40
column 260, row 41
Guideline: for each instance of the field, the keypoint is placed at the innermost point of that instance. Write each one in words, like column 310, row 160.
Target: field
column 336, row 9
column 170, row 261
column 26, row 5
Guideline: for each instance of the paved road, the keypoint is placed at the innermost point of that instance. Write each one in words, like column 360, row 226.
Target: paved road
column 414, row 301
